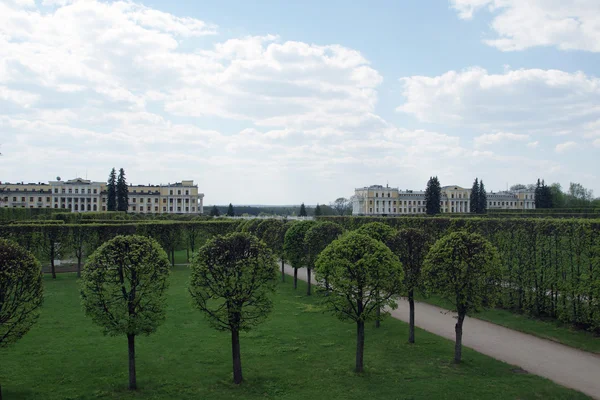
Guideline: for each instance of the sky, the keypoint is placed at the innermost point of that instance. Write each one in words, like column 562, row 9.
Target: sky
column 283, row 102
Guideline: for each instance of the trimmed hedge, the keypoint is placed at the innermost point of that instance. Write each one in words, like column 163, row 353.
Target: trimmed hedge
column 24, row 214
column 550, row 267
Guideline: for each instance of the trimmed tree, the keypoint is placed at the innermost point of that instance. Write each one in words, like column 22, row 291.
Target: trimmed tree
column 230, row 211
column 316, row 239
column 378, row 231
column 474, row 198
column 482, row 199
column 433, row 195
column 274, row 236
column 21, row 292
column 410, row 245
column 364, row 276
column 294, row 246
column 302, row 210
column 465, row 269
column 123, row 289
column 111, row 188
column 232, row 278
column 122, row 192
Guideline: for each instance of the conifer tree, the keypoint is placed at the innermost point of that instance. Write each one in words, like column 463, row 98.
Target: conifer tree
column 111, row 188
column 433, row 194
column 214, row 212
column 230, row 211
column 482, row 199
column 122, row 192
column 302, row 210
column 318, row 211
column 474, row 198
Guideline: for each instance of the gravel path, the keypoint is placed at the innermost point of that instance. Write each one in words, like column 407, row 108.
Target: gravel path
column 564, row 365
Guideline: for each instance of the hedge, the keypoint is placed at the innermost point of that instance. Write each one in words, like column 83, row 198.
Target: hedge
column 550, row 267
column 22, row 214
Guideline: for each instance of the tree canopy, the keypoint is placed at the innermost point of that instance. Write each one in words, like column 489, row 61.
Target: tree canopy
column 433, row 196
column 318, row 237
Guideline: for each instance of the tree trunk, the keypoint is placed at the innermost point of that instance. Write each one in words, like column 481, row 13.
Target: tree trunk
column 237, row 358
column 78, row 269
column 52, row 267
column 378, row 318
column 282, row 270
column 360, row 345
column 411, row 322
column 0, row 391
column 188, row 255
column 458, row 345
column 173, row 257
column 308, row 276
column 132, row 377
column 295, row 278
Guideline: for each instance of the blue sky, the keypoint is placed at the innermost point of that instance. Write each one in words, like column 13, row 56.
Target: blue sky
column 278, row 102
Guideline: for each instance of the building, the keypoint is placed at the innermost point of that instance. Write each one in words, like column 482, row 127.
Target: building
column 82, row 195
column 384, row 200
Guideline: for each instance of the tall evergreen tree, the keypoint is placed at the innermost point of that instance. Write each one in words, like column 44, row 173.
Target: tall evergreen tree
column 474, row 198
column 318, row 211
column 543, row 195
column 230, row 212
column 112, row 191
column 433, row 194
column 538, row 194
column 122, row 192
column 482, row 200
column 214, row 212
column 302, row 210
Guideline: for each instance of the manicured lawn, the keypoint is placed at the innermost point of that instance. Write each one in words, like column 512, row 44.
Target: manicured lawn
column 299, row 353
column 547, row 329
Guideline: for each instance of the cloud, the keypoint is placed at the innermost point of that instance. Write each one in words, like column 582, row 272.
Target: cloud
column 533, row 145
column 563, row 147
column 493, row 138
column 525, row 99
column 519, row 24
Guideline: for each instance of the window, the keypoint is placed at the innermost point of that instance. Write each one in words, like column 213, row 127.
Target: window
column 149, row 200
column 193, row 208
column 70, row 190
column 63, row 190
column 164, row 201
column 76, row 207
column 187, row 192
column 376, row 194
column 388, row 195
column 103, row 208
column 14, row 199
column 452, row 195
column 55, row 190
column 394, row 209
column 156, row 208
column 95, row 191
column 76, row 191
column 89, row 191
column 178, row 208
column 187, row 200
column 48, row 199
column 179, row 192
column 164, row 208
column 89, row 207
column 148, row 208
column 133, row 207
column 95, row 200
column 133, row 199
column 371, row 202
column 187, row 209
column 377, row 210
column 171, row 201
column 56, row 199
column 370, row 210
column 95, row 207
column 156, row 200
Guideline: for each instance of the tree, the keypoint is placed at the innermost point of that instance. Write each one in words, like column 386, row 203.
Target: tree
column 316, row 239
column 214, row 211
column 410, row 245
column 230, row 212
column 232, row 277
column 482, row 199
column 558, row 197
column 433, row 195
column 543, row 195
column 53, row 243
column 122, row 192
column 302, row 210
column 274, row 235
column 318, row 211
column 294, row 246
column 364, row 276
column 111, row 188
column 378, row 231
column 463, row 268
column 474, row 198
column 82, row 238
column 21, row 292
column 123, row 289
column 342, row 206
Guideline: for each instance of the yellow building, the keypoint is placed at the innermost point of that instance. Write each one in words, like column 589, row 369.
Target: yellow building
column 82, row 195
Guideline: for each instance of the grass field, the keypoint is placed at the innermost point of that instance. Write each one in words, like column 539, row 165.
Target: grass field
column 546, row 329
column 299, row 353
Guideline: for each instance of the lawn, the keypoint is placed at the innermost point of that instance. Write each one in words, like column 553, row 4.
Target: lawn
column 546, row 329
column 299, row 353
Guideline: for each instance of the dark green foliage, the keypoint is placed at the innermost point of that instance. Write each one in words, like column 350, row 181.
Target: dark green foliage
column 474, row 198
column 230, row 211
column 464, row 268
column 214, row 211
column 433, row 196
column 232, row 279
column 122, row 192
column 318, row 211
column 377, row 230
column 274, row 235
column 23, row 214
column 482, row 199
column 302, row 210
column 360, row 275
column 21, row 292
column 543, row 195
column 295, row 247
column 410, row 245
column 123, row 289
column 318, row 237
column 111, row 189
column 251, row 225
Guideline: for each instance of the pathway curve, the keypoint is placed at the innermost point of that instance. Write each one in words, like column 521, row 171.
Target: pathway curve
column 564, row 365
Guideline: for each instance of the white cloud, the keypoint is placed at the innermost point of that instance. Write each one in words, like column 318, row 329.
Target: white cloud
column 521, row 24
column 19, row 97
column 493, row 138
column 525, row 99
column 596, row 143
column 562, row 147
column 533, row 145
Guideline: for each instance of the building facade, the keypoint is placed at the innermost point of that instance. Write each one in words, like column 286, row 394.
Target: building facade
column 384, row 200
column 82, row 195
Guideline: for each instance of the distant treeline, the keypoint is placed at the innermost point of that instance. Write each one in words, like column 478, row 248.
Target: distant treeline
column 274, row 210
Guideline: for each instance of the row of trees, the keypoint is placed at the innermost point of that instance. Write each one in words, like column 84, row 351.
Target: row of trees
column 478, row 198
column 553, row 196
column 118, row 195
column 341, row 206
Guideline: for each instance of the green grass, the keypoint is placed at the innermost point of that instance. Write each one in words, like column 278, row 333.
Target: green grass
column 546, row 329
column 299, row 353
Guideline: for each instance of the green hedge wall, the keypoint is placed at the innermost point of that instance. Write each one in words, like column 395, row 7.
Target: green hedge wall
column 22, row 214
column 550, row 267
